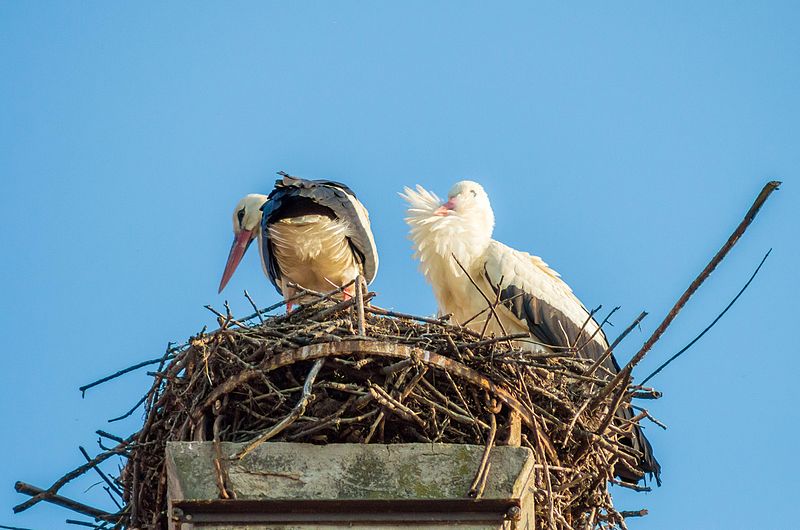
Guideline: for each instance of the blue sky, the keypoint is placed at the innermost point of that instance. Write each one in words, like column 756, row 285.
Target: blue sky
column 622, row 142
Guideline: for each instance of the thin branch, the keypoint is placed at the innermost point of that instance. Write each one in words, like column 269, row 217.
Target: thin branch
column 769, row 187
column 360, row 305
column 87, row 524
column 486, row 298
column 132, row 409
column 494, row 304
column 297, row 411
column 255, row 307
column 44, row 494
column 441, row 321
column 479, row 482
column 583, row 327
column 39, row 494
column 105, row 478
column 606, row 354
column 691, row 343
column 630, row 513
column 124, row 371
column 110, row 436
column 599, row 328
column 630, row 485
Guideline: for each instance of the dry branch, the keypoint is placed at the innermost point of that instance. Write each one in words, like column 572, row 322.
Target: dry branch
column 390, row 377
column 766, row 191
column 400, row 383
column 327, row 374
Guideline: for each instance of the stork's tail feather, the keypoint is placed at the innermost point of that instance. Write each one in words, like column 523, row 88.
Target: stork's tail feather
column 648, row 463
column 639, row 443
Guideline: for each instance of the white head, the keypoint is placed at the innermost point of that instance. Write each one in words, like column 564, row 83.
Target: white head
column 246, row 226
column 461, row 226
column 247, row 214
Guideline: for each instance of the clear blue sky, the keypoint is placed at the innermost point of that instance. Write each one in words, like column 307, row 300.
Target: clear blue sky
column 620, row 142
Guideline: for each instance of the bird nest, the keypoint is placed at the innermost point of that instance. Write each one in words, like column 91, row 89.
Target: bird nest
column 336, row 371
column 347, row 372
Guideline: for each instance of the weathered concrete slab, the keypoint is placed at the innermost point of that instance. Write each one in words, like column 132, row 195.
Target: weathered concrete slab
column 294, row 471
column 346, row 471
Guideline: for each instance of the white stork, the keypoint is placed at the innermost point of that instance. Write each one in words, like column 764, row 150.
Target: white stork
column 311, row 233
column 533, row 298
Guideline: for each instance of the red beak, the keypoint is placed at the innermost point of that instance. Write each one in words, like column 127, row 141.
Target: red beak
column 445, row 208
column 239, row 247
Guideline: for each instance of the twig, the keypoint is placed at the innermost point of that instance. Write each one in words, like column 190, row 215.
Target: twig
column 255, row 307
column 599, row 328
column 691, row 343
column 112, row 497
column 610, row 350
column 769, row 187
column 583, row 327
column 494, row 304
column 171, row 351
column 461, row 410
column 395, row 407
column 225, row 320
column 612, row 409
column 297, row 411
column 75, row 506
column 630, row 513
column 135, row 495
column 105, row 478
column 486, row 298
column 493, row 340
column 649, row 416
column 397, row 314
column 360, row 305
column 45, row 494
column 300, row 294
column 110, row 436
column 338, row 307
column 132, row 409
column 316, row 351
column 630, row 486
column 86, row 524
column 479, row 482
column 124, row 371
column 600, row 360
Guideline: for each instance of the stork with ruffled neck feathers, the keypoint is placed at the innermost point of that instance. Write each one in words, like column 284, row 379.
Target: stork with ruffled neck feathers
column 453, row 240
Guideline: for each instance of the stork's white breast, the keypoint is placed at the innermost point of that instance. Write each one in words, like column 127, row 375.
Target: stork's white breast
column 313, row 251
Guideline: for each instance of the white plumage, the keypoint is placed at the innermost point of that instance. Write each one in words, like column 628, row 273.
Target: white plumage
column 313, row 251
column 314, row 234
column 532, row 297
column 462, row 231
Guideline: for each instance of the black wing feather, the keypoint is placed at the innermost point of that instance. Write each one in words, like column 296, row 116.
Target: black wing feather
column 294, row 197
column 550, row 326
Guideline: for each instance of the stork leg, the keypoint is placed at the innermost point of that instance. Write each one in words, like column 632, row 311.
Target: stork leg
column 365, row 290
column 288, row 294
column 348, row 292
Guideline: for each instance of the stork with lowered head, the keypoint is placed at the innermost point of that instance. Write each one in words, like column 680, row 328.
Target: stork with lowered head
column 312, row 234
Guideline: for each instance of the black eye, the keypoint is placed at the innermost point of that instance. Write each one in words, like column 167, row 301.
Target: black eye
column 240, row 215
column 474, row 194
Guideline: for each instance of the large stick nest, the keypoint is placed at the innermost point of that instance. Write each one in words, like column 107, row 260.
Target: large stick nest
column 339, row 372
column 333, row 372
column 311, row 377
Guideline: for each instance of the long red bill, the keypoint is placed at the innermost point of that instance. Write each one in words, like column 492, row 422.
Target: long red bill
column 239, row 247
column 445, row 208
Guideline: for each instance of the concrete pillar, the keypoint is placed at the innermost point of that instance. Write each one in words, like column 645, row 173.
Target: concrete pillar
column 304, row 486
